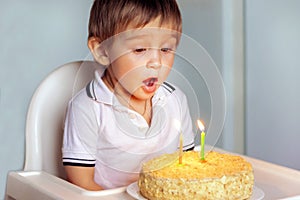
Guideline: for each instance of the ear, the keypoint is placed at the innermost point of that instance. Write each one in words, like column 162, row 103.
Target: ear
column 98, row 51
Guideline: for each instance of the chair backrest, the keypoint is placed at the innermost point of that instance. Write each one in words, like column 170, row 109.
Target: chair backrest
column 46, row 114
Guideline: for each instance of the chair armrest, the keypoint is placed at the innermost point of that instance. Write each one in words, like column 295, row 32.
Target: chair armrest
column 41, row 185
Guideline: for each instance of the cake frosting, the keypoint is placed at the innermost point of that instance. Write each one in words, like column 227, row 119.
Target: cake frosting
column 219, row 176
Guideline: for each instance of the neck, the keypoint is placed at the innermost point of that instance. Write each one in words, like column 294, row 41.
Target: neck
column 143, row 107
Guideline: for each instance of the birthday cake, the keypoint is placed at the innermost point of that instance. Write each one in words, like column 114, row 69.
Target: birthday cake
column 219, row 176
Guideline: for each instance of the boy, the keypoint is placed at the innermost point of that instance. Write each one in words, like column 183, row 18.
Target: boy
column 126, row 115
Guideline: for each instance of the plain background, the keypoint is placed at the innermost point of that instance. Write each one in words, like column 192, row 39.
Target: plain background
column 35, row 38
column 254, row 43
column 272, row 40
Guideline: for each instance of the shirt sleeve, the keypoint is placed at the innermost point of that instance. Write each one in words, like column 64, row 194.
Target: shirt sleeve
column 80, row 132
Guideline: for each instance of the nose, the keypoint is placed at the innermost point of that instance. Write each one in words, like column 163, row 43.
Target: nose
column 154, row 59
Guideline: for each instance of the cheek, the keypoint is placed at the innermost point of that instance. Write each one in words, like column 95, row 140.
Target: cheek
column 121, row 67
column 127, row 76
column 164, row 73
column 167, row 66
column 168, row 60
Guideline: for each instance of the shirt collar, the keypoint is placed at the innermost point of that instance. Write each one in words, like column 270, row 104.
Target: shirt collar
column 104, row 95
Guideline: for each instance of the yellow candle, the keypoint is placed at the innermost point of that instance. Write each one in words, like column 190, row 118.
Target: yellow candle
column 202, row 128
column 178, row 128
column 180, row 148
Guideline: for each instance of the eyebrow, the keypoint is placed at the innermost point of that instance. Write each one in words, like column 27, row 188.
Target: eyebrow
column 142, row 35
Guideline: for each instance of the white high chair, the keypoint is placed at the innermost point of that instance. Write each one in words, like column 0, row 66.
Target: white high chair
column 43, row 175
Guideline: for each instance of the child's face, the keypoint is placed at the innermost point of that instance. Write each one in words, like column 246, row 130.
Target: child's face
column 141, row 59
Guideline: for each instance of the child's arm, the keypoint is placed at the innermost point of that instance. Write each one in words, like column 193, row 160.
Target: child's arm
column 83, row 177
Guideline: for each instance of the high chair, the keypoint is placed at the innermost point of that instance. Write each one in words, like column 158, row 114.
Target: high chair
column 43, row 176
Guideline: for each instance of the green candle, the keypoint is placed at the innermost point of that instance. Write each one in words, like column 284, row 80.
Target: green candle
column 202, row 145
column 202, row 128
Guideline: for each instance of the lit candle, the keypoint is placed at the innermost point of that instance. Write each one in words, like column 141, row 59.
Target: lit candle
column 178, row 128
column 202, row 128
column 180, row 148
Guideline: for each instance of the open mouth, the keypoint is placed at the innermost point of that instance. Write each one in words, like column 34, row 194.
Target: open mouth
column 150, row 84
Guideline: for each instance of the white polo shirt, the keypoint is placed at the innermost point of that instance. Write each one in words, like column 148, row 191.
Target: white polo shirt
column 101, row 132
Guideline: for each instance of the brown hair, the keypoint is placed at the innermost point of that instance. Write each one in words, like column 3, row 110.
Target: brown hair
column 109, row 17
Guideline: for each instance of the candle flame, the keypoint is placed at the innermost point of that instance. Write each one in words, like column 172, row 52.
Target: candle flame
column 200, row 125
column 177, row 124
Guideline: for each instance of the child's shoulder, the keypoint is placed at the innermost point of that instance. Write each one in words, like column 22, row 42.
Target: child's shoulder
column 170, row 88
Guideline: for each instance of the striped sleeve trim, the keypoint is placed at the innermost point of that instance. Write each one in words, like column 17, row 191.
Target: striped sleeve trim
column 189, row 147
column 78, row 162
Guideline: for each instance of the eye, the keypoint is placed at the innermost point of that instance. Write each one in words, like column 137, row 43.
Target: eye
column 139, row 50
column 166, row 50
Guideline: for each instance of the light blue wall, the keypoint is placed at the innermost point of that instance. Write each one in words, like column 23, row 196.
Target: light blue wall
column 202, row 22
column 35, row 37
column 272, row 79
